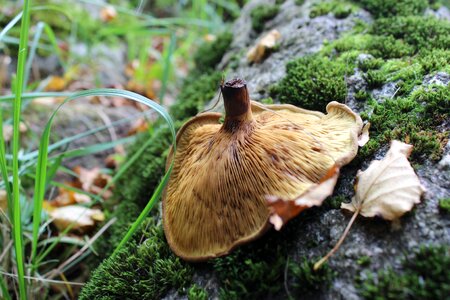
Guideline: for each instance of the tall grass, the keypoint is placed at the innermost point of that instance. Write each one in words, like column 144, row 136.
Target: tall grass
column 42, row 165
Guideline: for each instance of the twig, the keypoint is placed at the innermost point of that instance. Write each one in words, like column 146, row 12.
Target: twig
column 318, row 264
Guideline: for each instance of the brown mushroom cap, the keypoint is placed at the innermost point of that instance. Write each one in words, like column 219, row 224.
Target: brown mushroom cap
column 215, row 198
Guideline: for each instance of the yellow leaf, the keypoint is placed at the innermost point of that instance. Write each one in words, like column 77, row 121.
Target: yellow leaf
column 389, row 187
column 260, row 51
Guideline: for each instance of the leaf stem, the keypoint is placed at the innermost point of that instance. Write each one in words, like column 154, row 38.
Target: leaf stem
column 318, row 264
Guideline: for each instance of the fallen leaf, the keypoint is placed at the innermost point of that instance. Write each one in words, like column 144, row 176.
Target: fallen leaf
column 140, row 125
column 3, row 201
column 56, row 83
column 364, row 137
column 260, row 51
column 284, row 210
column 389, row 187
column 78, row 217
column 8, row 131
column 92, row 181
column 108, row 13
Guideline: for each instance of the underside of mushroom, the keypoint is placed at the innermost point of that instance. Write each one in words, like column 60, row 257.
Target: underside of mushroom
column 216, row 196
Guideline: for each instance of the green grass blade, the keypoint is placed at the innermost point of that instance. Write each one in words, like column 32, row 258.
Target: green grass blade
column 43, row 152
column 156, row 195
column 17, row 222
column 167, row 66
column 9, row 26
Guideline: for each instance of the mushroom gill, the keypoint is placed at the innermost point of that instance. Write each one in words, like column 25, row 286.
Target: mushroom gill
column 215, row 198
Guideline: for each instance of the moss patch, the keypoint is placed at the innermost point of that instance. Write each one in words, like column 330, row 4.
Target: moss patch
column 389, row 8
column 339, row 9
column 195, row 292
column 444, row 205
column 426, row 275
column 209, row 54
column 311, row 82
column 141, row 270
column 261, row 14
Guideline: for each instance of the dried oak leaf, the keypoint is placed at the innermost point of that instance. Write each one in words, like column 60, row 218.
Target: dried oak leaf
column 263, row 48
column 79, row 218
column 389, row 187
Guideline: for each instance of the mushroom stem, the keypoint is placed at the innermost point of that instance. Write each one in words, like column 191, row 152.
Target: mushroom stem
column 237, row 104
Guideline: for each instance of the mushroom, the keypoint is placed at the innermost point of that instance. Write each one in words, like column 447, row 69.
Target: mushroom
column 216, row 196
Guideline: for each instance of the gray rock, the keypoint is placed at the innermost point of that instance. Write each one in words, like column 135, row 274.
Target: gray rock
column 384, row 242
column 440, row 78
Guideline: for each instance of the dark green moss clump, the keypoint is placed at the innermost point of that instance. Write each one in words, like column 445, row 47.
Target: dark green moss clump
column 196, row 92
column 261, row 14
column 417, row 31
column 197, row 293
column 209, row 54
column 306, row 281
column 408, row 120
column 389, row 8
column 311, row 82
column 444, row 205
column 141, row 270
column 426, row 275
column 339, row 9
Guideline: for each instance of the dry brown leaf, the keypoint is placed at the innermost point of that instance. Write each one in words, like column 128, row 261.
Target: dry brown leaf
column 389, row 187
column 260, row 51
column 78, row 217
column 8, row 130
column 3, row 201
column 56, row 84
column 284, row 210
column 91, row 180
column 140, row 125
column 364, row 137
column 108, row 13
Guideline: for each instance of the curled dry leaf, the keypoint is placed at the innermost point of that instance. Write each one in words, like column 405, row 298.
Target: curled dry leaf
column 364, row 137
column 260, row 51
column 78, row 217
column 3, row 201
column 8, row 131
column 284, row 210
column 389, row 187
column 92, row 181
column 108, row 13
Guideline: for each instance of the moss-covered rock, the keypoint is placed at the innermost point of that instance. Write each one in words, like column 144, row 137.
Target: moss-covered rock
column 311, row 82
column 145, row 268
column 209, row 54
column 387, row 8
column 261, row 14
column 425, row 275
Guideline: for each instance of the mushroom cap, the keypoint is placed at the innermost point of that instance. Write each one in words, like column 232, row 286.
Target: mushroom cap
column 215, row 197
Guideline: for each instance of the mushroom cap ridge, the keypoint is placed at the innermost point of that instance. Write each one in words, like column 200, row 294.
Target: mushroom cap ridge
column 215, row 198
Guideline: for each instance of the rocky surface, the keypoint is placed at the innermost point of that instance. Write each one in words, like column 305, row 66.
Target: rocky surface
column 385, row 243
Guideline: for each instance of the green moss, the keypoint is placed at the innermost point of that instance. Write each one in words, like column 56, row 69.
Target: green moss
column 261, row 14
column 417, row 31
column 364, row 261
column 141, row 270
column 195, row 292
column 307, row 281
column 311, row 82
column 334, row 202
column 339, row 9
column 444, row 205
column 370, row 64
column 209, row 54
column 299, row 2
column 388, row 8
column 196, row 92
column 253, row 271
column 403, row 119
column 426, row 275
column 374, row 79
